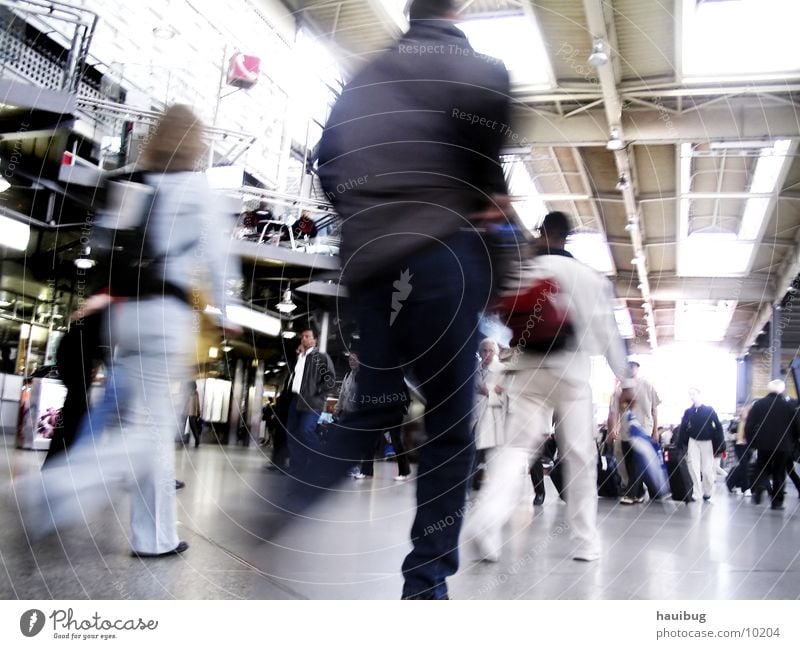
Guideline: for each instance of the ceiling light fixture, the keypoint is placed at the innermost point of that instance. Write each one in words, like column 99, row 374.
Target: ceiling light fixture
column 615, row 142
column 286, row 305
column 622, row 184
column 5, row 299
column 599, row 55
column 85, row 262
column 165, row 32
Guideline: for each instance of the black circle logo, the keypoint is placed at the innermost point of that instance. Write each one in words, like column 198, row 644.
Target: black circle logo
column 31, row 622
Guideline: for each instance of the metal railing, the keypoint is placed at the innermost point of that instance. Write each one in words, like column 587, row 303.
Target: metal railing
column 76, row 44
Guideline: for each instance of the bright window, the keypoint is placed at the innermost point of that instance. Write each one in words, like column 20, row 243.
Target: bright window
column 516, row 41
column 740, row 38
column 592, row 249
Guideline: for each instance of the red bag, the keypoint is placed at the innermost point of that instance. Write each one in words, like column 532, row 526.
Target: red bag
column 536, row 319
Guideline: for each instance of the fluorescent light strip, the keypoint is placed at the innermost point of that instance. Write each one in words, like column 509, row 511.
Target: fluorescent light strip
column 241, row 315
column 14, row 234
column 765, row 178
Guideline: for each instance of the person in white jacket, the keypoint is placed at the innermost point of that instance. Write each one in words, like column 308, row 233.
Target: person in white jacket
column 554, row 387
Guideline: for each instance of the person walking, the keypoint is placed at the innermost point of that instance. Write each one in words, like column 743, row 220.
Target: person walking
column 701, row 432
column 150, row 333
column 415, row 139
column 553, row 385
column 772, row 429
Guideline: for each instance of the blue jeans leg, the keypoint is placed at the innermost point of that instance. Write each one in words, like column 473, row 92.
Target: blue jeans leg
column 302, row 439
column 432, row 336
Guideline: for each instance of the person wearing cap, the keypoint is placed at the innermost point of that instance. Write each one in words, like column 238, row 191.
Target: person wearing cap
column 645, row 410
column 554, row 386
column 772, row 429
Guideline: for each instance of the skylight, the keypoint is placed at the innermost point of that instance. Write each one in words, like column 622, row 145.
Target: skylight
column 396, row 10
column 529, row 207
column 765, row 178
column 741, row 38
column 624, row 321
column 701, row 320
column 516, row 41
column 592, row 249
column 709, row 254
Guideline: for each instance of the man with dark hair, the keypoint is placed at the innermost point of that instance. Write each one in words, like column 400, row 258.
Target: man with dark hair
column 312, row 379
column 422, row 125
column 548, row 386
column 432, row 9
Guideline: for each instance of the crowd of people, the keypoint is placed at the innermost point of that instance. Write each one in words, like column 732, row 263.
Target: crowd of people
column 423, row 255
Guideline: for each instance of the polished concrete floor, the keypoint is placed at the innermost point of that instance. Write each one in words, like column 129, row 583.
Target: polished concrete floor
column 351, row 546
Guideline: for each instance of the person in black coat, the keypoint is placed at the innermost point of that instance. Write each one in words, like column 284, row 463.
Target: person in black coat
column 701, row 433
column 410, row 159
column 772, row 429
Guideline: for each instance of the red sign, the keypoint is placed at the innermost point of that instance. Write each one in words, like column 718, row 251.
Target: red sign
column 243, row 70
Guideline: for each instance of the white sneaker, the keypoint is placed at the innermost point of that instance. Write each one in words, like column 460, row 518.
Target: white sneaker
column 359, row 476
column 402, row 478
column 485, row 550
column 587, row 553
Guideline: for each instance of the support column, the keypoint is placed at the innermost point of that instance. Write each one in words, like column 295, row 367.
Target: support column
column 236, row 402
column 256, row 403
column 776, row 341
column 324, row 327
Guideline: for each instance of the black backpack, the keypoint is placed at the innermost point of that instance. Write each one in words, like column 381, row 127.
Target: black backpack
column 121, row 244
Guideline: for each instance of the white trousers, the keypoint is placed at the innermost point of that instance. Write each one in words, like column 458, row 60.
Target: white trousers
column 536, row 399
column 702, row 466
column 153, row 356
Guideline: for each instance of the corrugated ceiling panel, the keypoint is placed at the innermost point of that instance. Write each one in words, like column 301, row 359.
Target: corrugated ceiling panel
column 563, row 27
column 645, row 38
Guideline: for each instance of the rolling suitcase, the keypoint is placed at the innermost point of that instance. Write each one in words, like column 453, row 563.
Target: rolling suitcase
column 743, row 474
column 680, row 482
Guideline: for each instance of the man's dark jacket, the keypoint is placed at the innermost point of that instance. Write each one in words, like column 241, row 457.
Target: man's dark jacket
column 772, row 424
column 319, row 378
column 411, row 149
column 701, row 423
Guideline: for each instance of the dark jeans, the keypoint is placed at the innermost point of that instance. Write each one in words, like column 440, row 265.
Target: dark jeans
column 77, row 354
column 302, row 439
column 635, row 476
column 194, row 426
column 771, row 464
column 403, row 465
column 537, row 477
column 420, row 316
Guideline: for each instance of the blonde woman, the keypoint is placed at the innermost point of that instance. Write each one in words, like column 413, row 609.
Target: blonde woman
column 151, row 335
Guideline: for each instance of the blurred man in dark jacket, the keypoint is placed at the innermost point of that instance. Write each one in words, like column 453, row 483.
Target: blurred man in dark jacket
column 701, row 433
column 312, row 379
column 410, row 160
column 772, row 429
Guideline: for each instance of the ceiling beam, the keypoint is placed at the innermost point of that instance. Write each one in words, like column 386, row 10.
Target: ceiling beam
column 667, row 287
column 590, row 128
